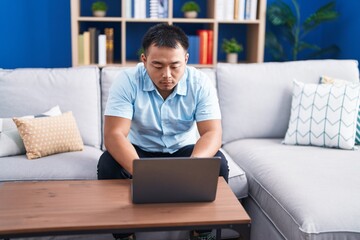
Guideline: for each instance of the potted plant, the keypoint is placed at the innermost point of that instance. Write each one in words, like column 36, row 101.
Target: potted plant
column 287, row 32
column 99, row 8
column 232, row 48
column 190, row 9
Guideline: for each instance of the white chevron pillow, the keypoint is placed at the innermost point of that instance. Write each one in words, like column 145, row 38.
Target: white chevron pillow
column 323, row 115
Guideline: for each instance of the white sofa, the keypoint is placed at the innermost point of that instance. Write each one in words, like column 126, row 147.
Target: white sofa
column 294, row 192
column 84, row 91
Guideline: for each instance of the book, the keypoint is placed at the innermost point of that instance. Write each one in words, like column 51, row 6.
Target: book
column 81, row 49
column 154, row 9
column 139, row 8
column 236, row 9
column 229, row 10
column 128, row 7
column 86, row 47
column 253, row 9
column 203, row 49
column 163, row 8
column 241, row 10
column 210, row 46
column 220, row 9
column 193, row 49
column 93, row 44
column 102, row 50
column 109, row 32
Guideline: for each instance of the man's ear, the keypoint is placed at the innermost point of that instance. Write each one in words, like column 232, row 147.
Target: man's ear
column 186, row 57
column 143, row 58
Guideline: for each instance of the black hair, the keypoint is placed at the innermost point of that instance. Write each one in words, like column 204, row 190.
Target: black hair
column 165, row 35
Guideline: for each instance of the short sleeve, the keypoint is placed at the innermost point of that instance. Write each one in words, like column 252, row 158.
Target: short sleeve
column 208, row 104
column 121, row 97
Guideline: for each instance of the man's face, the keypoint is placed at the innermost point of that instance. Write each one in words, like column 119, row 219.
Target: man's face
column 165, row 67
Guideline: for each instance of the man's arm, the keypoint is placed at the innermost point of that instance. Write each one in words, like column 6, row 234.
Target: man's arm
column 210, row 138
column 116, row 130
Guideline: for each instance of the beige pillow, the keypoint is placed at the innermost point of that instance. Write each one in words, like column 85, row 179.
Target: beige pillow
column 10, row 140
column 49, row 135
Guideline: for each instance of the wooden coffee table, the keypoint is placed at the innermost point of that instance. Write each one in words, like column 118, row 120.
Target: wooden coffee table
column 39, row 208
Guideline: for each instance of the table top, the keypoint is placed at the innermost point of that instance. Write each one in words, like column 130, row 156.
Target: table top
column 40, row 207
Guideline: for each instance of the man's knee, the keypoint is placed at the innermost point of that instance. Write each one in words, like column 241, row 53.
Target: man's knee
column 224, row 168
column 109, row 168
column 104, row 165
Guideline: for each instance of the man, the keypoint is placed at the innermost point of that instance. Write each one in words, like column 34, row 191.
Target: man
column 151, row 110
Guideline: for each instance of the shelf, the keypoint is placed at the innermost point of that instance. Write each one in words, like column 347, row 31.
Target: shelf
column 128, row 32
column 140, row 20
column 100, row 19
column 193, row 20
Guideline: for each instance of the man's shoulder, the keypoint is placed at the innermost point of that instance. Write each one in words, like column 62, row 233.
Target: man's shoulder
column 197, row 77
column 130, row 74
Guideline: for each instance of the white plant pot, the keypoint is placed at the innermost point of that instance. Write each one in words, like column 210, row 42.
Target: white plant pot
column 232, row 57
column 191, row 14
column 99, row 13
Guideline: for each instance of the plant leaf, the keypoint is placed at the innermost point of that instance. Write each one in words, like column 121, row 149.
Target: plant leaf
column 280, row 13
column 287, row 34
column 323, row 14
column 275, row 48
column 330, row 51
column 304, row 45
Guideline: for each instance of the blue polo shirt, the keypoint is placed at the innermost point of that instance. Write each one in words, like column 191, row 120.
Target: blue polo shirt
column 160, row 125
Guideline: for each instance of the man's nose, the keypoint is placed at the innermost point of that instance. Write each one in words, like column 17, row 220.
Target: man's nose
column 167, row 72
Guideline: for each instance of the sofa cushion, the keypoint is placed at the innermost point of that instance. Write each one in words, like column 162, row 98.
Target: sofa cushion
column 237, row 177
column 255, row 99
column 10, row 140
column 307, row 192
column 324, row 115
column 63, row 166
column 49, row 135
column 73, row 89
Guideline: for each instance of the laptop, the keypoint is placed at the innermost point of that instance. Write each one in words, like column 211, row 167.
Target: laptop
column 175, row 180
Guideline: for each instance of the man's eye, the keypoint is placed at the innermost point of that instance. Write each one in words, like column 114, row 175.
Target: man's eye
column 157, row 67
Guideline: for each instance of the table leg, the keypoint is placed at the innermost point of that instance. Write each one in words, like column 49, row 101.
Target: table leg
column 244, row 231
column 218, row 234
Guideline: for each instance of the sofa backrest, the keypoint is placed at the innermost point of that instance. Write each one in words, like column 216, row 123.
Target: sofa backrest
column 31, row 91
column 255, row 99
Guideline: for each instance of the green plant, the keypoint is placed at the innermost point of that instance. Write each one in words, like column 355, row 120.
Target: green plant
column 99, row 6
column 287, row 30
column 190, row 6
column 231, row 46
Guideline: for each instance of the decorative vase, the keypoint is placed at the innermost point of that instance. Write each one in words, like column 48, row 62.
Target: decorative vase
column 99, row 13
column 190, row 14
column 232, row 57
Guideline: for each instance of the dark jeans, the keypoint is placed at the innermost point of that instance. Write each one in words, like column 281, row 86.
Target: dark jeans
column 109, row 168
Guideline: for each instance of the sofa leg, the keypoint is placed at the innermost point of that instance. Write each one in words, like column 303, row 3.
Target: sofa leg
column 244, row 231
